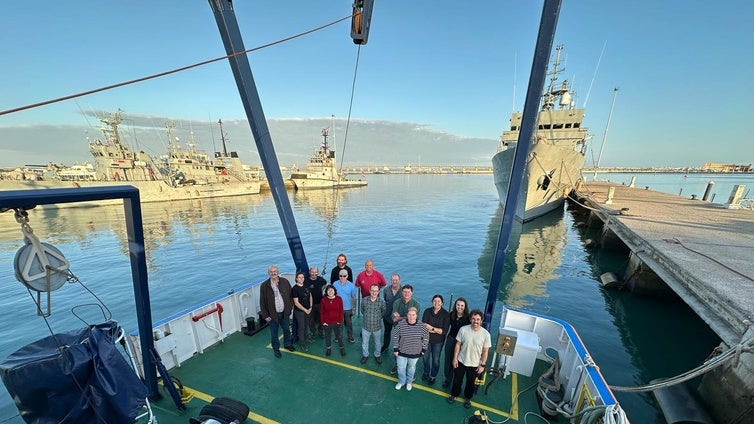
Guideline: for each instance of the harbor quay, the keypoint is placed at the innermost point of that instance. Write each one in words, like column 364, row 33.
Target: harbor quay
column 419, row 169
column 704, row 253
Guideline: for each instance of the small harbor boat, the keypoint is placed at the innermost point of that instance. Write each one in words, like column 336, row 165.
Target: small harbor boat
column 322, row 171
column 557, row 151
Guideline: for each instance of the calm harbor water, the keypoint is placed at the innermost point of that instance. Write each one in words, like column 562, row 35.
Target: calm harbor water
column 437, row 231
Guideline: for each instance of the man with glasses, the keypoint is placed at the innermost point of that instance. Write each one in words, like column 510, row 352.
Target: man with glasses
column 372, row 309
column 275, row 306
column 347, row 291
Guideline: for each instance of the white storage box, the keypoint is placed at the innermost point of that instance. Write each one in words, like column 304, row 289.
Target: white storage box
column 525, row 355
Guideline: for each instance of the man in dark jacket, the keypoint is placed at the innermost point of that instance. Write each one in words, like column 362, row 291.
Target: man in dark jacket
column 275, row 306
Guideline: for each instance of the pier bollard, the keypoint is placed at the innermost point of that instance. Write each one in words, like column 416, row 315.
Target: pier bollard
column 610, row 194
column 706, row 191
column 734, row 200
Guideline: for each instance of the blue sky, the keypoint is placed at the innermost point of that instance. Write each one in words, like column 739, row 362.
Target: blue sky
column 683, row 69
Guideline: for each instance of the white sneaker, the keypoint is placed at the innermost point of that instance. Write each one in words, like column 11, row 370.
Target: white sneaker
column 409, row 387
column 398, row 386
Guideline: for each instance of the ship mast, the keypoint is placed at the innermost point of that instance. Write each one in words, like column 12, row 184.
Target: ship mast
column 325, row 145
column 222, row 137
column 604, row 136
column 112, row 133
column 549, row 97
column 168, row 129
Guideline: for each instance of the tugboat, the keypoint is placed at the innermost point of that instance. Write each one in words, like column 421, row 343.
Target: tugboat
column 322, row 172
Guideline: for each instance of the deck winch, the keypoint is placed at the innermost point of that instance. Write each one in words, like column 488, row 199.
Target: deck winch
column 39, row 266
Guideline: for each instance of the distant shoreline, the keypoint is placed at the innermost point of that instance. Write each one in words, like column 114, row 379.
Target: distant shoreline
column 660, row 171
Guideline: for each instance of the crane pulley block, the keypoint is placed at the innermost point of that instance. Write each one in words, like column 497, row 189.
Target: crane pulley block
column 362, row 15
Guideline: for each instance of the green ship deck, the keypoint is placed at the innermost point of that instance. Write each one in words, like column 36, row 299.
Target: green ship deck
column 310, row 387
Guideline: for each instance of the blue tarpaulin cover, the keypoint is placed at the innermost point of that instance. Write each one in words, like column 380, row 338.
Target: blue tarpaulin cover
column 74, row 377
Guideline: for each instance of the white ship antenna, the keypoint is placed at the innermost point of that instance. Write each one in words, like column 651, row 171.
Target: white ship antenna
column 84, row 113
column 604, row 136
column 515, row 66
column 595, row 74
column 212, row 133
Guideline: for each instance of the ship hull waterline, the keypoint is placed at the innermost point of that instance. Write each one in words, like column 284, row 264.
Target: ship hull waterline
column 325, row 183
column 551, row 174
column 149, row 191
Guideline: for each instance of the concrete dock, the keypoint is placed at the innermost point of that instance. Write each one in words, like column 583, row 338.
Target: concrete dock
column 704, row 253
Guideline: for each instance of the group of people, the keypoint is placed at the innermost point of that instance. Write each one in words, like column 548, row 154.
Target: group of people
column 389, row 313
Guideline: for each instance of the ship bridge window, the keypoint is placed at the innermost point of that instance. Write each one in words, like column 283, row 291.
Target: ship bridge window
column 576, row 125
column 544, row 127
column 514, row 128
column 569, row 125
column 557, row 126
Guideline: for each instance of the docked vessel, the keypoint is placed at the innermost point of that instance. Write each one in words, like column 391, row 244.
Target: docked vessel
column 184, row 174
column 556, row 155
column 322, row 171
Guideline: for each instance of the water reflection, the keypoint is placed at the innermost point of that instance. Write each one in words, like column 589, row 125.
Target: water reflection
column 161, row 221
column 325, row 204
column 535, row 252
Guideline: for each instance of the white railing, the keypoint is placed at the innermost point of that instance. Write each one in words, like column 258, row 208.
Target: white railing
column 191, row 331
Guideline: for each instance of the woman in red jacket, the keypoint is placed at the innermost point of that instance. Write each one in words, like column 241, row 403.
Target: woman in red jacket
column 331, row 315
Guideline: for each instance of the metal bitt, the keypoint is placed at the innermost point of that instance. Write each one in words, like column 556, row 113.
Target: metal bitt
column 545, row 37
column 708, row 190
column 239, row 64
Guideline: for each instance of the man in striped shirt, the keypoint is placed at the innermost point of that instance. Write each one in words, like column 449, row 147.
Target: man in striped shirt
column 410, row 341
